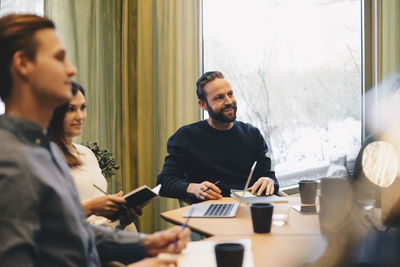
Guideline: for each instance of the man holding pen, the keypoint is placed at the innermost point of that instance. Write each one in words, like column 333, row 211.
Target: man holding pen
column 42, row 221
column 208, row 158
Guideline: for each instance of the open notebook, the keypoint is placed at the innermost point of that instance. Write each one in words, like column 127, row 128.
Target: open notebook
column 217, row 210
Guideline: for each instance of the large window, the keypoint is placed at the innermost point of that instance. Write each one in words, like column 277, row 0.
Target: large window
column 295, row 68
column 20, row 6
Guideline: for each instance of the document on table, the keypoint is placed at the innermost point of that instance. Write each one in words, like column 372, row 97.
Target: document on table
column 250, row 198
column 201, row 253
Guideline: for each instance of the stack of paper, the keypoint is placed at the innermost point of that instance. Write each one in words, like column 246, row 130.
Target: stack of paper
column 250, row 198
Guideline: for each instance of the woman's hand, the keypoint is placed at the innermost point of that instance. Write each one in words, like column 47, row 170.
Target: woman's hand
column 105, row 205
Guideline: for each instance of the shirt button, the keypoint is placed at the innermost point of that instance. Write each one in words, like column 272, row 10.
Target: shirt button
column 38, row 141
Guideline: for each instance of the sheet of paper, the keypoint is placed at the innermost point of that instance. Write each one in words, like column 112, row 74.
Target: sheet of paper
column 157, row 189
column 246, row 194
column 201, row 253
column 249, row 198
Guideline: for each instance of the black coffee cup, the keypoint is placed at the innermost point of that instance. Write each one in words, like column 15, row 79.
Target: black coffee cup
column 229, row 254
column 308, row 191
column 261, row 216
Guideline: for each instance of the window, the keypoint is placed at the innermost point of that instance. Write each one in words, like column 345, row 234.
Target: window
column 20, row 6
column 295, row 68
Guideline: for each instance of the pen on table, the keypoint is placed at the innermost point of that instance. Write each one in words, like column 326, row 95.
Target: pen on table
column 185, row 224
column 209, row 188
column 105, row 193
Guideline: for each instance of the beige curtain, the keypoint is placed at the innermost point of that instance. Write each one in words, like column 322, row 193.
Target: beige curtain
column 139, row 61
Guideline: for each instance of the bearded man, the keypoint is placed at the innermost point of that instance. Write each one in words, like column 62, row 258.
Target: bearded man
column 208, row 158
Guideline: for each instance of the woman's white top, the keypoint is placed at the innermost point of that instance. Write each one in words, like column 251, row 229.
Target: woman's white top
column 87, row 174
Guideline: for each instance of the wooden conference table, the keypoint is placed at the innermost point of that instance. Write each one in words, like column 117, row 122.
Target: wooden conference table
column 297, row 242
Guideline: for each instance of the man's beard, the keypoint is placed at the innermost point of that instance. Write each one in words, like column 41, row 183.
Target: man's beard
column 220, row 116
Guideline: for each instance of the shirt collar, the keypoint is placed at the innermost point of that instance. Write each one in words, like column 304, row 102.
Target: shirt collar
column 27, row 131
column 222, row 132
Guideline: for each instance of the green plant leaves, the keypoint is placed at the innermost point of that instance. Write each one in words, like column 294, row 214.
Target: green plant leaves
column 106, row 160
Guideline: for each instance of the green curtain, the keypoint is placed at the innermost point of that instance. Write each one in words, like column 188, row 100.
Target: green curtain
column 139, row 61
column 177, row 64
column 91, row 33
column 381, row 54
column 381, row 62
column 389, row 61
column 390, row 37
column 168, row 66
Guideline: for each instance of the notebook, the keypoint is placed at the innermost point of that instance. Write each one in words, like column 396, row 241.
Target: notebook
column 138, row 197
column 218, row 210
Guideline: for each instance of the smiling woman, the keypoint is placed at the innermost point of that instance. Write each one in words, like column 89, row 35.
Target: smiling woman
column 67, row 123
column 75, row 116
column 63, row 124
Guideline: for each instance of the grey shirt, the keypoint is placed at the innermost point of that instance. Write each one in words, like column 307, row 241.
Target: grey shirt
column 42, row 222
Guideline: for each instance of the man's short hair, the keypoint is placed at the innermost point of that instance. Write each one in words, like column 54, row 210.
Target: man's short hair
column 17, row 34
column 203, row 80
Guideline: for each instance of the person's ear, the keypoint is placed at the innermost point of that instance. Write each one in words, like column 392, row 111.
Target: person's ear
column 203, row 104
column 21, row 64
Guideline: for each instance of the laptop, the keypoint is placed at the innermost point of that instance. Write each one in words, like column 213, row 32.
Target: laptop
column 217, row 210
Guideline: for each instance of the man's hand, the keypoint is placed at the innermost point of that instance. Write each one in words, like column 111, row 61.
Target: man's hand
column 263, row 184
column 205, row 190
column 154, row 262
column 164, row 241
column 104, row 205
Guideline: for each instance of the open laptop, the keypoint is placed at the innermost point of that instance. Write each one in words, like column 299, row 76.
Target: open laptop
column 217, row 210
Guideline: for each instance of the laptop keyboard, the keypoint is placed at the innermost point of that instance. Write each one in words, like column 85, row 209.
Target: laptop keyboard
column 216, row 210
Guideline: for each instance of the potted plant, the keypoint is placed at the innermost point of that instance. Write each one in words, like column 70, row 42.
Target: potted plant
column 107, row 163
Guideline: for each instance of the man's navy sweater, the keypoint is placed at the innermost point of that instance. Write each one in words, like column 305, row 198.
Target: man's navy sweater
column 198, row 152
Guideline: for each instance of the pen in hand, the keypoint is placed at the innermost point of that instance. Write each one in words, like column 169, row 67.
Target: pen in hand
column 184, row 225
column 101, row 190
column 208, row 188
column 107, row 194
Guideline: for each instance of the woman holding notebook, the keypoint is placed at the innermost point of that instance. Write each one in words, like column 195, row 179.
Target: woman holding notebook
column 66, row 123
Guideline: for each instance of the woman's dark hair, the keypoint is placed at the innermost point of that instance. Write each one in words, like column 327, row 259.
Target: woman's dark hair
column 56, row 128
